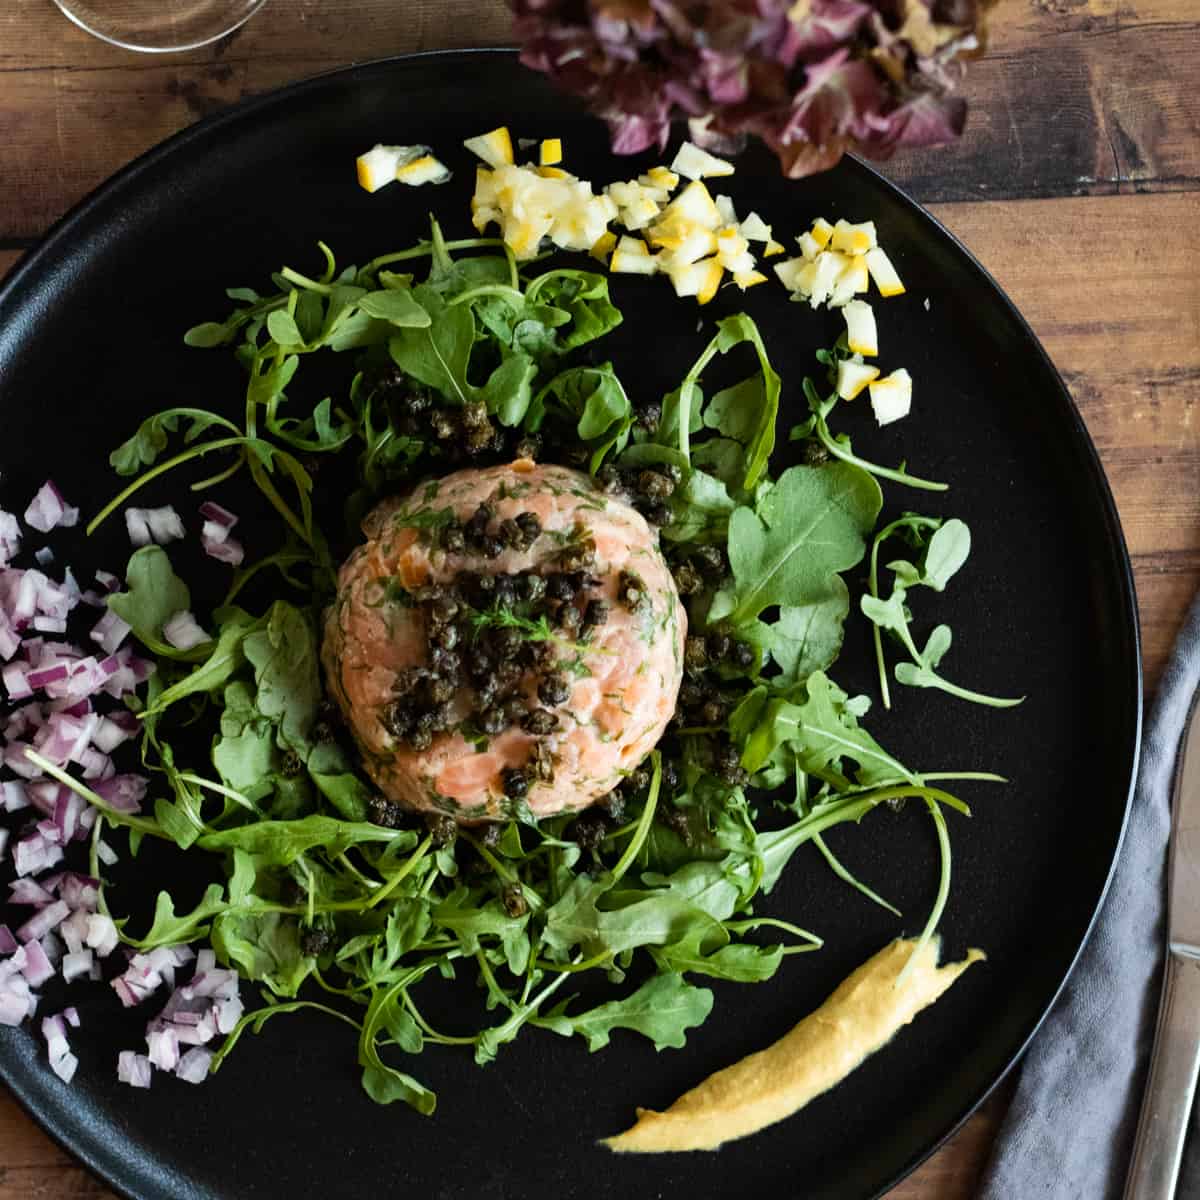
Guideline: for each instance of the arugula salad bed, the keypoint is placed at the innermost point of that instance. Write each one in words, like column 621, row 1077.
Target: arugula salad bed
column 325, row 896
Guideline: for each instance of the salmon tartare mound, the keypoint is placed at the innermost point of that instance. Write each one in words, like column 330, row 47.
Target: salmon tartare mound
column 505, row 637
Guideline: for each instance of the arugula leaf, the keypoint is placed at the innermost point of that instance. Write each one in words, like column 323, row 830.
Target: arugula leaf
column 152, row 436
column 823, row 731
column 284, row 657
column 245, row 751
column 170, row 928
column 508, row 391
column 740, row 963
column 385, row 1084
column 583, row 295
column 397, row 306
column 811, row 524
column 818, row 425
column 264, row 946
column 225, row 657
column 438, row 354
column 944, row 554
column 153, row 595
column 663, row 1009
column 594, row 398
column 808, row 637
column 279, row 843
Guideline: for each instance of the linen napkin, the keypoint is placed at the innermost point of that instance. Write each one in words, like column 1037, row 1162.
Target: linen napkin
column 1069, row 1133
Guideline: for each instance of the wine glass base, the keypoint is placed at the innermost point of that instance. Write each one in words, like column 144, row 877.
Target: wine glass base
column 159, row 26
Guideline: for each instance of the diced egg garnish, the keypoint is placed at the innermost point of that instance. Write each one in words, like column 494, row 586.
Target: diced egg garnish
column 883, row 273
column 700, row 279
column 809, row 247
column 726, row 209
column 693, row 163
column 748, row 279
column 851, row 280
column 660, row 177
column 854, row 239
column 845, row 258
column 425, row 169
column 632, row 257
column 637, row 204
column 861, row 335
column 495, row 148
column 529, row 204
column 377, row 168
column 891, row 397
column 853, row 376
column 603, row 246
column 755, row 229
column 550, row 152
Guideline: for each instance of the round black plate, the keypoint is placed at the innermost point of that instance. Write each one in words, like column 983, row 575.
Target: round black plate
column 90, row 341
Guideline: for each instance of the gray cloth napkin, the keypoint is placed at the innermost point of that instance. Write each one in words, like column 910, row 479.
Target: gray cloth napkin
column 1069, row 1133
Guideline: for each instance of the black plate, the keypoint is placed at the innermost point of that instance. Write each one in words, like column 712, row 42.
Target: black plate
column 90, row 328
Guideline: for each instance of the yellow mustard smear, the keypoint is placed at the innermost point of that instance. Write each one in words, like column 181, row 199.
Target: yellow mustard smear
column 860, row 1017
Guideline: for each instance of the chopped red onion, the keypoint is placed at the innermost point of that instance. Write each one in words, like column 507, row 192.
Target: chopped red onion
column 38, row 968
column 29, row 891
column 224, row 549
column 74, row 930
column 8, row 943
column 210, row 510
column 10, row 537
column 13, row 795
column 133, row 1069
column 4, row 836
column 43, row 556
column 109, row 632
column 53, row 947
column 105, row 853
column 64, row 738
column 71, row 1016
column 96, row 765
column 111, row 733
column 21, row 720
column 193, row 1066
column 50, row 624
column 48, row 509
column 146, row 525
column 102, row 934
column 35, row 852
column 123, row 792
column 75, row 964
column 17, row 999
column 43, row 795
column 43, row 921
column 15, row 676
column 79, row 891
column 108, row 581
column 81, row 708
column 184, row 632
column 163, row 1048
column 57, row 600
column 41, row 676
column 10, row 641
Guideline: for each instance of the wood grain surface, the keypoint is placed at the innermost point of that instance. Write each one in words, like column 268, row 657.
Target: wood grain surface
column 1077, row 185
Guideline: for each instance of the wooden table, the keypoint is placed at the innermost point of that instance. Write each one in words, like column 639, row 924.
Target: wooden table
column 1077, row 185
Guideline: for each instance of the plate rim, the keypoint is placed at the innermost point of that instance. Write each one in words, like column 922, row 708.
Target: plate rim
column 40, row 255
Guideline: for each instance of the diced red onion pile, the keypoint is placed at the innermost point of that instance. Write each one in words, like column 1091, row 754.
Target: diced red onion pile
column 62, row 705
column 215, row 534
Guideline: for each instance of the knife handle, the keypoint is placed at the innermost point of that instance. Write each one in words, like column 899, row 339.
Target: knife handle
column 1171, row 1086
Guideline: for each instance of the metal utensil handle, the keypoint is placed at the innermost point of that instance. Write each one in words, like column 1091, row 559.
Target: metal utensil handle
column 1167, row 1104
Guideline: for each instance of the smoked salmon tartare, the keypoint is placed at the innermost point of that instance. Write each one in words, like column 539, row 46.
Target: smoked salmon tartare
column 505, row 636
